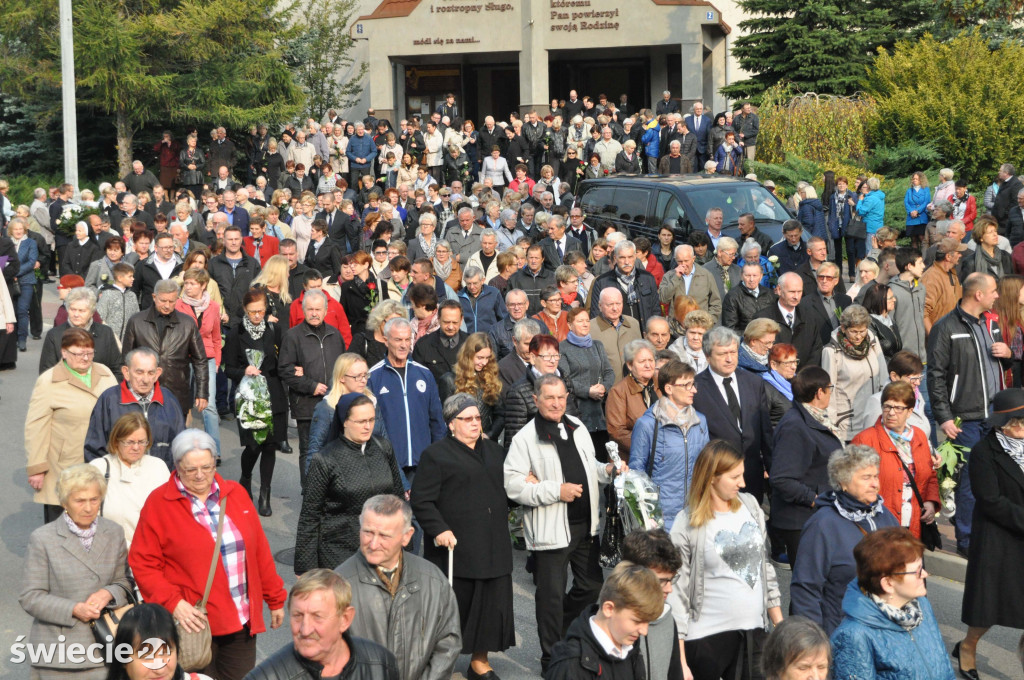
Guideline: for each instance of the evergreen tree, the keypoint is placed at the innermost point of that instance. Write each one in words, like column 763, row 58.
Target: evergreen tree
column 997, row 21
column 182, row 61
column 821, row 46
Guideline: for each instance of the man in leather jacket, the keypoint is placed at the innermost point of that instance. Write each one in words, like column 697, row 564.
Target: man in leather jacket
column 322, row 646
column 402, row 601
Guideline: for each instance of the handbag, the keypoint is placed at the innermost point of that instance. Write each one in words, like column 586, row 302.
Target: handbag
column 930, row 535
column 856, row 227
column 195, row 650
column 104, row 629
column 14, row 288
column 611, row 539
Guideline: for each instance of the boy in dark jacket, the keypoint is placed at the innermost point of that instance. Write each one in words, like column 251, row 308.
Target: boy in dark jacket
column 602, row 642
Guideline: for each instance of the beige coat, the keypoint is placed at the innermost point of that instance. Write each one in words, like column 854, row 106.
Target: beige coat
column 614, row 340
column 7, row 306
column 60, row 573
column 703, row 289
column 854, row 381
column 57, row 421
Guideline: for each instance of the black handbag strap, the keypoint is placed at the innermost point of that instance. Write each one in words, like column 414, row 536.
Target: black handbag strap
column 654, row 444
column 913, row 484
column 106, row 478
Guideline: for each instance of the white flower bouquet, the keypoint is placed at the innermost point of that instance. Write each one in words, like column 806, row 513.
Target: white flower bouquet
column 252, row 400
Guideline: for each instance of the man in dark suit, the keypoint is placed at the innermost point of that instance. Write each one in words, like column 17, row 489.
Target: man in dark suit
column 734, row 403
column 699, row 124
column 795, row 327
column 666, row 104
column 323, row 254
column 439, row 350
column 333, row 218
column 237, row 215
column 1009, row 186
column 558, row 243
column 817, row 254
column 824, row 303
column 517, row 363
column 573, row 106
column 222, row 182
column 130, row 210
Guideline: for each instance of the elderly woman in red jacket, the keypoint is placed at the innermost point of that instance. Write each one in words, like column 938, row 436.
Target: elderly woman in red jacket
column 903, row 450
column 172, row 551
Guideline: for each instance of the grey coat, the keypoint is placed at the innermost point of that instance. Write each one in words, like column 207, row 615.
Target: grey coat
column 420, row 625
column 909, row 315
column 582, row 368
column 60, row 573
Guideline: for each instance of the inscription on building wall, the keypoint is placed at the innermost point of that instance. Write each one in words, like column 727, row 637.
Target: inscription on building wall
column 566, row 16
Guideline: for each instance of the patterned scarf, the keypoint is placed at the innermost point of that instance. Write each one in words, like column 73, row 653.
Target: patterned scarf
column 428, row 248
column 256, row 331
column 627, row 283
column 198, row 306
column 84, row 535
column 1013, row 447
column 908, row 617
column 443, row 270
column 850, row 508
column 668, row 413
column 859, row 351
column 821, row 415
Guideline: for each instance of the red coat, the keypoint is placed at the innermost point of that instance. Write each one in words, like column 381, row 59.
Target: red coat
column 171, row 552
column 335, row 316
column 654, row 267
column 268, row 248
column 1017, row 256
column 209, row 330
column 890, row 472
column 970, row 213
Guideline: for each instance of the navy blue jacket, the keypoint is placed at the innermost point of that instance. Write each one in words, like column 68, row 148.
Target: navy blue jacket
column 799, row 467
column 812, row 215
column 411, row 408
column 163, row 414
column 486, row 311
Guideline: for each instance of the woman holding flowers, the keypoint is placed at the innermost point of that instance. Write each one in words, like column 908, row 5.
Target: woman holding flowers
column 251, row 353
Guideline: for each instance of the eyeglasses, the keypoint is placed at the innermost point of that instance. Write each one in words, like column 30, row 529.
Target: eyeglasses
column 788, row 362
column 470, row 419
column 205, row 469
column 516, row 304
column 669, row 581
column 691, row 385
column 133, row 443
column 895, row 408
column 826, row 277
column 358, row 376
column 549, row 357
column 912, row 379
column 363, row 423
column 917, row 572
column 255, row 312
column 81, row 355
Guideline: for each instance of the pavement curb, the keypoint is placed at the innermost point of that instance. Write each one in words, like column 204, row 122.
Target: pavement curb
column 947, row 565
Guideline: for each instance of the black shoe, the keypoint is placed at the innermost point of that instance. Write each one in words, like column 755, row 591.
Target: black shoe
column 37, row 337
column 519, row 543
column 970, row 673
column 473, row 675
column 264, row 503
column 246, row 483
column 22, row 347
column 284, row 447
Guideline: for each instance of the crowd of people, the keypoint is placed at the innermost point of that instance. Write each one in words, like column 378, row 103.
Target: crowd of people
column 456, row 348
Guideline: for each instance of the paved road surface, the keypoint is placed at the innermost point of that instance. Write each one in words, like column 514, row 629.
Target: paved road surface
column 997, row 657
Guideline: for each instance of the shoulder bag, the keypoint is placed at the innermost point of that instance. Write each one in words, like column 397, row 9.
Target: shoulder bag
column 195, row 650
column 105, row 627
column 856, row 227
column 930, row 535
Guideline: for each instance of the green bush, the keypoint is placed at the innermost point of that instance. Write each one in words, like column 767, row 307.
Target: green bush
column 904, row 159
column 960, row 96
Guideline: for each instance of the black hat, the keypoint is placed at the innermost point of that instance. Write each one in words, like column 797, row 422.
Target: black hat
column 1007, row 405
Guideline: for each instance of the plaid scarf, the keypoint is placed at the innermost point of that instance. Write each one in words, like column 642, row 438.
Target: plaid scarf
column 908, row 617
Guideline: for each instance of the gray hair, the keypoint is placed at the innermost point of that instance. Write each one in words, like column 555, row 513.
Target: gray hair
column 517, row 292
column 854, row 316
column 619, row 247
column 397, row 322
column 383, row 310
column 81, row 294
column 942, row 226
column 844, row 462
column 39, row 193
column 524, row 326
column 684, row 248
column 792, row 640
column 465, row 210
column 728, row 243
column 545, row 380
column 547, row 194
column 634, row 347
column 141, row 351
column 675, row 143
column 654, row 318
column 615, row 238
column 427, row 217
column 507, row 214
column 874, row 184
column 719, row 336
column 456, row 404
column 707, row 215
column 485, row 232
column 166, row 286
column 130, row 198
column 441, row 243
column 191, row 440
column 945, row 207
column 556, row 219
column 388, row 505
column 77, row 477
column 314, row 294
column 472, row 272
column 749, row 246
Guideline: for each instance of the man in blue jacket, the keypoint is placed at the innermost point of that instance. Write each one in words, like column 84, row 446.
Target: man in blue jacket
column 482, row 306
column 408, row 398
column 140, row 391
column 360, row 151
